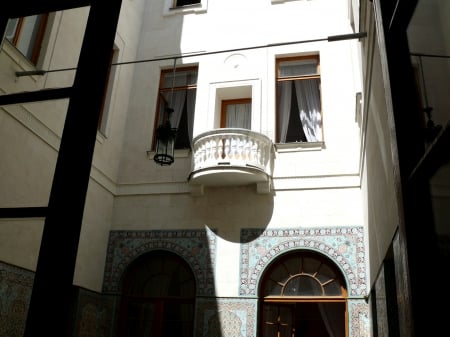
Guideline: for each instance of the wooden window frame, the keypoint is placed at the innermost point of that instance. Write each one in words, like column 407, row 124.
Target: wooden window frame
column 279, row 78
column 289, row 300
column 37, row 41
column 107, row 91
column 226, row 103
column 161, row 90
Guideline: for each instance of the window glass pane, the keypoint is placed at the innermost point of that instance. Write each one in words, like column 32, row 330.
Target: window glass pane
column 303, row 286
column 180, row 97
column 11, row 29
column 272, row 288
column 180, row 79
column 178, row 319
column 27, row 39
column 140, row 319
column 298, row 68
column 302, row 274
column 299, row 115
column 333, row 289
column 238, row 116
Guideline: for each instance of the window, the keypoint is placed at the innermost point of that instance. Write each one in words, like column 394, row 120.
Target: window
column 180, row 3
column 177, row 93
column 107, row 94
column 298, row 100
column 236, row 113
column 182, row 7
column 158, row 297
column 26, row 34
column 303, row 294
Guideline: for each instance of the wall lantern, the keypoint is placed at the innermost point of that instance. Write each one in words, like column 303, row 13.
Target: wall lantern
column 165, row 134
column 165, row 141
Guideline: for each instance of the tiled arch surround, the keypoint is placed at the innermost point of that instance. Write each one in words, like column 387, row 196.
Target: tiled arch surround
column 343, row 245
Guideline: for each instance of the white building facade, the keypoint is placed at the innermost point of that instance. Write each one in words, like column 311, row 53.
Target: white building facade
column 257, row 228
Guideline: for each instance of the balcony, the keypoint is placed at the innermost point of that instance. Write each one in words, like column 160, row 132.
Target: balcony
column 232, row 157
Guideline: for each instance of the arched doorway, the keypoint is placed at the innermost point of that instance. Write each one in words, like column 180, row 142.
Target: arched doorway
column 302, row 294
column 158, row 297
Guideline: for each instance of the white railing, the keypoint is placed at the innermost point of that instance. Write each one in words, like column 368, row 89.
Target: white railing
column 232, row 147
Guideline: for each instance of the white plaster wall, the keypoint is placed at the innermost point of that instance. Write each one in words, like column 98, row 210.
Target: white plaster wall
column 228, row 210
column 378, row 184
column 127, row 189
column 318, row 187
column 30, row 137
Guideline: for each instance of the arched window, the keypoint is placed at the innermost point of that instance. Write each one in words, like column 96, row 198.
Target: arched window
column 158, row 297
column 302, row 294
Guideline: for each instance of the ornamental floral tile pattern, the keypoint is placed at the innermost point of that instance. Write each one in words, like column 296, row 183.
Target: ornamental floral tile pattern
column 15, row 294
column 359, row 320
column 226, row 317
column 343, row 245
column 197, row 247
column 94, row 315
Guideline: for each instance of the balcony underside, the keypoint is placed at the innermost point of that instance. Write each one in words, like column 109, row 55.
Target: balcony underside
column 228, row 176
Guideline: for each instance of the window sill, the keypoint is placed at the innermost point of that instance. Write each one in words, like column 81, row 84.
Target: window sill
column 283, row 1
column 299, row 147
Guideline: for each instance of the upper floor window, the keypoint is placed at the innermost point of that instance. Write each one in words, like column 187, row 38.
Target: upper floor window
column 107, row 93
column 236, row 113
column 176, row 7
column 26, row 34
column 299, row 116
column 177, row 92
column 180, row 3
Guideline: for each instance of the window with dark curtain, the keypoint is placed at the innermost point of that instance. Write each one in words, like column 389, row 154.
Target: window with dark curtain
column 177, row 93
column 299, row 115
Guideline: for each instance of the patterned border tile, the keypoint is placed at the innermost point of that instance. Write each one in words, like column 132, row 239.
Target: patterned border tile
column 15, row 293
column 197, row 247
column 226, row 317
column 359, row 321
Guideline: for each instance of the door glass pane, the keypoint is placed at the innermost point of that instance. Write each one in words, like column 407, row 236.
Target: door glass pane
column 140, row 319
column 178, row 318
column 277, row 320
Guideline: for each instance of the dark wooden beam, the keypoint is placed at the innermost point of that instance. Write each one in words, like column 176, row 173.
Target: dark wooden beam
column 16, row 9
column 35, row 96
column 51, row 306
column 23, row 212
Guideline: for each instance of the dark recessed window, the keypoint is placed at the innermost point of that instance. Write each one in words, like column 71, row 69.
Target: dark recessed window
column 180, row 3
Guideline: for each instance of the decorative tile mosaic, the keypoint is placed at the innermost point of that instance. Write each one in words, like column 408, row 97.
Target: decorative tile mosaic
column 94, row 315
column 343, row 245
column 197, row 247
column 226, row 317
column 15, row 294
column 359, row 322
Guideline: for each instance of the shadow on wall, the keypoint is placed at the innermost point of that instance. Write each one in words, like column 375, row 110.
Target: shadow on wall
column 228, row 210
